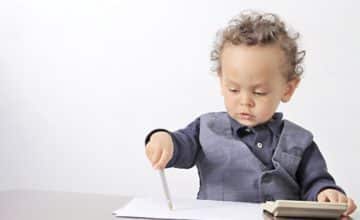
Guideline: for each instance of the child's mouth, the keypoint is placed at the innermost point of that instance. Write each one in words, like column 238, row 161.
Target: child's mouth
column 245, row 116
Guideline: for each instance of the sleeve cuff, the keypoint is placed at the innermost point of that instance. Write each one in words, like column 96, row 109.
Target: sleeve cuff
column 316, row 189
column 148, row 136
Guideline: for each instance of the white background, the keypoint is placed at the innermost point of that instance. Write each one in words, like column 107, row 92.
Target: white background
column 82, row 82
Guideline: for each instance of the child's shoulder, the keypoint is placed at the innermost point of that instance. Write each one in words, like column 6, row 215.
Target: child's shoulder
column 295, row 129
column 214, row 114
column 214, row 117
column 215, row 120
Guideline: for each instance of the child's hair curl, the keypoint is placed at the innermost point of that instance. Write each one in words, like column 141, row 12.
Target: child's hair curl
column 254, row 28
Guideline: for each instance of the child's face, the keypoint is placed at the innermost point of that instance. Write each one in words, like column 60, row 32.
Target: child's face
column 253, row 82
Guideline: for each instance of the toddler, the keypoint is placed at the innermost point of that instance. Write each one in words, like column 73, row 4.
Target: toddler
column 250, row 153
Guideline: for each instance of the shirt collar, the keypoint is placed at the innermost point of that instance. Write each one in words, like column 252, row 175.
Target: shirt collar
column 274, row 124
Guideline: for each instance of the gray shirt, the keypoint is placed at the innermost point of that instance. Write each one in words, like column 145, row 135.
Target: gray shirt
column 312, row 175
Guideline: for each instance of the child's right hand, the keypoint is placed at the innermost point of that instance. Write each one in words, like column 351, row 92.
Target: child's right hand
column 159, row 149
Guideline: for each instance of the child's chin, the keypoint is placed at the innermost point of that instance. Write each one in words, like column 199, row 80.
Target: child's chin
column 249, row 123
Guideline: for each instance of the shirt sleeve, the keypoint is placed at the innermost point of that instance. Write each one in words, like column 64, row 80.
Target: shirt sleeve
column 186, row 145
column 313, row 175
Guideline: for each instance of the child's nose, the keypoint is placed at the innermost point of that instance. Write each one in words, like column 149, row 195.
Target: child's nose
column 246, row 100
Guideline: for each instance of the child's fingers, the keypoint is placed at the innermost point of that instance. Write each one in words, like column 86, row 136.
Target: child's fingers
column 164, row 159
column 155, row 156
column 351, row 207
column 158, row 164
column 342, row 198
column 152, row 153
column 332, row 196
column 148, row 151
column 322, row 197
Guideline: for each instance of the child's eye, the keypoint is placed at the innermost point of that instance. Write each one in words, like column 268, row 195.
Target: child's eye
column 234, row 90
column 260, row 93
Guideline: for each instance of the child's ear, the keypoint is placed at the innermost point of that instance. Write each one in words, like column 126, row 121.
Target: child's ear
column 290, row 88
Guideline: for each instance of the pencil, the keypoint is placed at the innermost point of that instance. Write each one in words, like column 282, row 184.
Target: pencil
column 166, row 189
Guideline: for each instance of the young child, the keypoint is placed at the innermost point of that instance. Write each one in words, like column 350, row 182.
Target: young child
column 250, row 153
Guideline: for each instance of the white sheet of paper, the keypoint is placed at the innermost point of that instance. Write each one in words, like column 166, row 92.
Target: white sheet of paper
column 142, row 207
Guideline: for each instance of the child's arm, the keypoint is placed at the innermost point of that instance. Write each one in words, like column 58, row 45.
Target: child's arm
column 315, row 180
column 173, row 149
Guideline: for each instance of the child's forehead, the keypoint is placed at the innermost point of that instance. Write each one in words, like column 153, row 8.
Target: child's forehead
column 257, row 62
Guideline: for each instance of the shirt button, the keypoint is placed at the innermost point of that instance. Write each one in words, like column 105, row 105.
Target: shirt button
column 259, row 145
column 247, row 129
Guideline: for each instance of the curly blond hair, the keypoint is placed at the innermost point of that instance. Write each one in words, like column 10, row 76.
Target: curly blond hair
column 255, row 28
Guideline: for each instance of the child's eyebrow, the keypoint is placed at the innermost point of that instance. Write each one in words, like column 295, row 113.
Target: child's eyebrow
column 231, row 82
column 260, row 85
